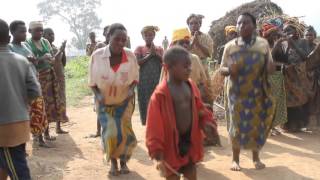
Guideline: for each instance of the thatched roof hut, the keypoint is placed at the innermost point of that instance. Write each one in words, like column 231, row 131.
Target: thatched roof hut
column 259, row 8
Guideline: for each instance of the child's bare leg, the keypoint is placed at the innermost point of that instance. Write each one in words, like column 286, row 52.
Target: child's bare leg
column 3, row 174
column 235, row 159
column 190, row 172
column 256, row 160
column 114, row 171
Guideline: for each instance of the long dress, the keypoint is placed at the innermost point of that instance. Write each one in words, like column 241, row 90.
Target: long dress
column 278, row 90
column 59, row 70
column 48, row 81
column 297, row 85
column 250, row 106
column 38, row 118
column 148, row 77
column 206, row 41
column 313, row 65
column 118, row 138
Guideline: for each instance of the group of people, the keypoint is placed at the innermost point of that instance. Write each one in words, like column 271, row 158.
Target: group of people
column 270, row 81
column 32, row 72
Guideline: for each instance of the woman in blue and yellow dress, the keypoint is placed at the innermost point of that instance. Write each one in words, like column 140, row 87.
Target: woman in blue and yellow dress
column 249, row 106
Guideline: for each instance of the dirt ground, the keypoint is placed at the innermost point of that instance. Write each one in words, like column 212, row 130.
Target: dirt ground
column 75, row 157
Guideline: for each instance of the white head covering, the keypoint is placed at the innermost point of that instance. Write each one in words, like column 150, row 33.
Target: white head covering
column 35, row 24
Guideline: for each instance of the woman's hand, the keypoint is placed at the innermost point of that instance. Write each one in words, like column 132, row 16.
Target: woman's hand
column 195, row 40
column 32, row 59
column 233, row 69
column 130, row 93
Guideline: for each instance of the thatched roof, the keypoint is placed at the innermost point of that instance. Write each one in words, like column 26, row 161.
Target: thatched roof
column 259, row 8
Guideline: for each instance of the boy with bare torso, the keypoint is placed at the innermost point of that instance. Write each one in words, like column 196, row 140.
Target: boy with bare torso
column 175, row 118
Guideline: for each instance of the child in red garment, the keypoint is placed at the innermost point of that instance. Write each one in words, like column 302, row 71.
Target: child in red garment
column 175, row 118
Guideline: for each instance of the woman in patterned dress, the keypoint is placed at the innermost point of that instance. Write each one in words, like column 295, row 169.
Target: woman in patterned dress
column 271, row 32
column 113, row 75
column 150, row 60
column 249, row 106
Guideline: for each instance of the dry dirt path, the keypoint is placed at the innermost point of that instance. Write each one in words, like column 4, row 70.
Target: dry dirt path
column 74, row 157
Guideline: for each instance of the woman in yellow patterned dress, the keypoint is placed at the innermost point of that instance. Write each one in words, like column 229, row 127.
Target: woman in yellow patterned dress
column 250, row 106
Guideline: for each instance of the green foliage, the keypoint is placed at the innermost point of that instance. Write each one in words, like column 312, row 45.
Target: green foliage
column 76, row 73
column 80, row 15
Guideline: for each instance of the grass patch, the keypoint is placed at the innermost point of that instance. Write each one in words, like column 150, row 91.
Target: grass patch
column 76, row 73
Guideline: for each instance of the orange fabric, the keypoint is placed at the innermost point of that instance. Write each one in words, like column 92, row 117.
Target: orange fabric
column 162, row 135
column 268, row 28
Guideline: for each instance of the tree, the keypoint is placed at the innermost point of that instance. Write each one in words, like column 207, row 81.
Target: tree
column 78, row 14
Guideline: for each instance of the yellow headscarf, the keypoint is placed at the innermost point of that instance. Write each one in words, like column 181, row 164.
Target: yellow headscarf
column 35, row 24
column 180, row 34
column 229, row 29
column 150, row 28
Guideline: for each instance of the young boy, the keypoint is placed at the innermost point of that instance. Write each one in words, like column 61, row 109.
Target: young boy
column 175, row 117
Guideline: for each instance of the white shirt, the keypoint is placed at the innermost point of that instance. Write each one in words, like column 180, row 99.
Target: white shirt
column 113, row 84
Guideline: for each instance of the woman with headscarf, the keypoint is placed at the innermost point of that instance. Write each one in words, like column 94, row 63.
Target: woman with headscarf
column 182, row 37
column 202, row 46
column 230, row 33
column 149, row 59
column 113, row 75
column 271, row 32
column 250, row 106
column 45, row 60
column 293, row 52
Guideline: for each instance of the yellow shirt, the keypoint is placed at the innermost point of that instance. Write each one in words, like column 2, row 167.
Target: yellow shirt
column 114, row 85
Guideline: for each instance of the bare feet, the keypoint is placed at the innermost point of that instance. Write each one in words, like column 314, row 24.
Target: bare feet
column 275, row 132
column 259, row 165
column 114, row 171
column 124, row 168
column 49, row 138
column 40, row 142
column 94, row 135
column 60, row 131
column 44, row 145
column 235, row 166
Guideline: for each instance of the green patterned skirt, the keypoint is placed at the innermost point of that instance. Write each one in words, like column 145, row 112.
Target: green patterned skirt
column 278, row 90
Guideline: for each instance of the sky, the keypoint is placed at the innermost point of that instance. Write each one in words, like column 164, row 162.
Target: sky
column 166, row 14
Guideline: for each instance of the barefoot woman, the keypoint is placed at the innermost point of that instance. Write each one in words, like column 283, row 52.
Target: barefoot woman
column 250, row 108
column 114, row 72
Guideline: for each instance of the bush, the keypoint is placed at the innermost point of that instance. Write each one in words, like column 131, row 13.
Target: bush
column 76, row 73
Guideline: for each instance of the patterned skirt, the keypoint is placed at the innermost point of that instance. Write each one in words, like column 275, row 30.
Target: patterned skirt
column 39, row 122
column 50, row 92
column 62, row 97
column 278, row 90
column 118, row 138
